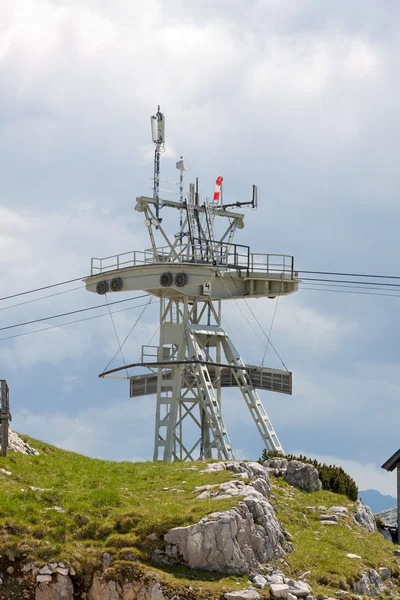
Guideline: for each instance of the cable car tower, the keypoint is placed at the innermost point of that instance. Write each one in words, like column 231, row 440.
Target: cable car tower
column 192, row 273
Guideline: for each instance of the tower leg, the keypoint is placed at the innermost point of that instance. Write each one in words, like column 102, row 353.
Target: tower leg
column 189, row 385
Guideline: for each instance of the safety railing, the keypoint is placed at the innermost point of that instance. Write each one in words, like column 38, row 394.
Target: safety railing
column 280, row 264
column 202, row 252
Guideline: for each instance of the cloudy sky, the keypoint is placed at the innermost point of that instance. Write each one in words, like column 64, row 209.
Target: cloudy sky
column 298, row 96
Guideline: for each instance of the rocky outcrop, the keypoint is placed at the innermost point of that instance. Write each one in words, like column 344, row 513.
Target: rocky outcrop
column 365, row 517
column 388, row 517
column 103, row 589
column 372, row 583
column 60, row 587
column 237, row 541
column 298, row 474
column 17, row 444
column 302, row 476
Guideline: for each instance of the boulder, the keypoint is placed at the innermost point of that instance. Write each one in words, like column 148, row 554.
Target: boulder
column 384, row 573
column 276, row 465
column 370, row 583
column 276, row 578
column 386, row 534
column 388, row 517
column 365, row 517
column 303, row 476
column 102, row 589
column 300, row 589
column 279, row 590
column 60, row 588
column 259, row 581
column 242, row 595
column 237, row 541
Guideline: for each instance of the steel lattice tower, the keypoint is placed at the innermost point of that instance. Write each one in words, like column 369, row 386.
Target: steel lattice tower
column 192, row 273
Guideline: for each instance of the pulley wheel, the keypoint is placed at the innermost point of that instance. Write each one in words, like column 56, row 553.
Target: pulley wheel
column 181, row 279
column 166, row 279
column 116, row 284
column 102, row 287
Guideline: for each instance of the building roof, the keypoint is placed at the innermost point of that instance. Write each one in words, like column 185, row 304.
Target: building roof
column 392, row 462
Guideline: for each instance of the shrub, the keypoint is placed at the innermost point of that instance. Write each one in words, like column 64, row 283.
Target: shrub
column 333, row 478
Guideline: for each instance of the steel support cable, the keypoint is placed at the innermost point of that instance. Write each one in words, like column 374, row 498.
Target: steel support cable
column 42, row 298
column 349, row 274
column 116, row 332
column 240, row 308
column 11, row 337
column 260, row 326
column 344, row 286
column 71, row 312
column 367, row 283
column 272, row 324
column 130, row 331
column 45, row 287
column 349, row 292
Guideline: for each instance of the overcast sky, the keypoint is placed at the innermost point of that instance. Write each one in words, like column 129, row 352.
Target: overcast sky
column 298, row 96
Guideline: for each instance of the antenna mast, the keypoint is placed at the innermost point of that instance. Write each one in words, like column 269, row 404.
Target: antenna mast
column 158, row 137
column 180, row 165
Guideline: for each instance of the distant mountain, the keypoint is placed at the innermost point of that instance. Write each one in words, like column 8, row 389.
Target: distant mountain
column 376, row 500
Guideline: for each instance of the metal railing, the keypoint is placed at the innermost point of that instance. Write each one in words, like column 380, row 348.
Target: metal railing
column 202, row 252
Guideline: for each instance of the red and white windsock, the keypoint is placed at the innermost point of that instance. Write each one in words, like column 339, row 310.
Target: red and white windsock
column 217, row 191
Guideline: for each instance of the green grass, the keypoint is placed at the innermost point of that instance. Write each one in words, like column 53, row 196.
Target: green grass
column 322, row 549
column 105, row 505
column 113, row 507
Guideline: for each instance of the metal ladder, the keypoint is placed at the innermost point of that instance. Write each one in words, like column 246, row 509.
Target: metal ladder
column 251, row 397
column 208, row 399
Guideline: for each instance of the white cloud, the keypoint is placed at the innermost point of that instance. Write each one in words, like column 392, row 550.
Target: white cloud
column 298, row 97
column 96, row 432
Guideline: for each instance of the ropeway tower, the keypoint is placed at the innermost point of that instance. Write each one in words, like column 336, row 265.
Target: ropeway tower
column 192, row 273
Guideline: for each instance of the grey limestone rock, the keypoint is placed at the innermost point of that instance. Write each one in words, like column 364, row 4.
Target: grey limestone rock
column 388, row 517
column 279, row 590
column 236, row 541
column 17, row 444
column 101, row 589
column 370, row 583
column 340, row 511
column 386, row 534
column 303, row 476
column 276, row 578
column 276, row 464
column 365, row 517
column 242, row 595
column 384, row 573
column 59, row 588
column 259, row 581
column 300, row 589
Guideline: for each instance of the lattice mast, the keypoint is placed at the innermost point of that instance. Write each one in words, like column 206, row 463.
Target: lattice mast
column 191, row 274
column 158, row 136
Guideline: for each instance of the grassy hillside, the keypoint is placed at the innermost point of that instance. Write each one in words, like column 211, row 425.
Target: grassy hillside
column 322, row 549
column 84, row 507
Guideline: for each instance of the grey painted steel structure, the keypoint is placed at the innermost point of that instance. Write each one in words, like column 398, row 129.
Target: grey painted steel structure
column 191, row 274
column 5, row 415
column 394, row 463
